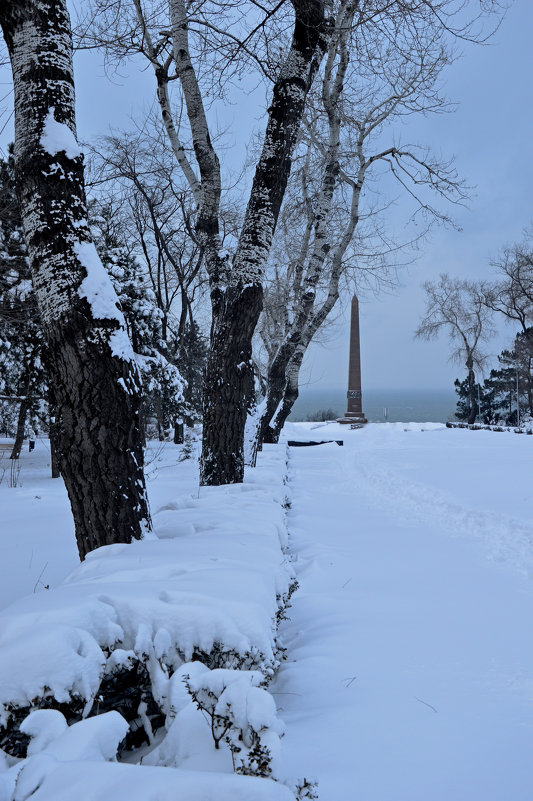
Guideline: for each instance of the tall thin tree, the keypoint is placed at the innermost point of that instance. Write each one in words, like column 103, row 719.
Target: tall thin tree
column 458, row 308
column 94, row 377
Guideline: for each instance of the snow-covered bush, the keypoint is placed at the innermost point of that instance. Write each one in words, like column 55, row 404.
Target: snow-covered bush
column 131, row 621
column 241, row 714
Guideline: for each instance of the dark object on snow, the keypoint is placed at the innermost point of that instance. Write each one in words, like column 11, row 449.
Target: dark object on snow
column 293, row 443
column 31, row 445
column 178, row 433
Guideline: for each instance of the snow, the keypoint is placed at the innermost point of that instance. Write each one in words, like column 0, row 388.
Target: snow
column 96, row 286
column 47, row 779
column 409, row 670
column 57, row 137
column 155, row 591
column 94, row 739
column 160, row 602
column 98, row 290
column 409, row 636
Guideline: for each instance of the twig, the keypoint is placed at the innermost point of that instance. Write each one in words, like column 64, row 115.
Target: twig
column 426, row 704
column 40, row 574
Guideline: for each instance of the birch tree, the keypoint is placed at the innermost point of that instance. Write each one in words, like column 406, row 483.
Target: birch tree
column 94, row 378
column 176, row 47
column 331, row 231
column 237, row 293
column 457, row 307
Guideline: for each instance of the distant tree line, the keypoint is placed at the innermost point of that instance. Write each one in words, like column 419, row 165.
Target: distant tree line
column 505, row 395
column 466, row 311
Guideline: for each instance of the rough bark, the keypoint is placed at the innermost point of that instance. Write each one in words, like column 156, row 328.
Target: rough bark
column 94, row 379
column 21, row 425
column 55, row 466
column 472, row 402
column 25, row 388
column 289, row 396
column 229, row 375
column 285, row 365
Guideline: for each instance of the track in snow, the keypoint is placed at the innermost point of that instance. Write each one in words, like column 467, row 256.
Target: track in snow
column 410, row 674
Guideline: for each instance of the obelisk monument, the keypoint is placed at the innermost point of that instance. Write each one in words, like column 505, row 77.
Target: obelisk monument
column 354, row 411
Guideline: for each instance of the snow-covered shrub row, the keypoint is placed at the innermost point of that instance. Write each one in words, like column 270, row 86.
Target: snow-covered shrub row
column 146, row 629
column 526, row 427
column 78, row 762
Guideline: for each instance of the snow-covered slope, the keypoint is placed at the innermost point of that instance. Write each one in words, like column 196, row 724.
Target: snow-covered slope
column 410, row 662
column 411, row 669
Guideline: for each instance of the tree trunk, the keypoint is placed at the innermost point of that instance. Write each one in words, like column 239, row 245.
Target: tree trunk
column 21, row 425
column 95, row 381
column 228, row 392
column 472, row 403
column 290, row 396
column 282, row 392
column 276, row 387
column 529, row 382
column 24, row 389
column 54, row 445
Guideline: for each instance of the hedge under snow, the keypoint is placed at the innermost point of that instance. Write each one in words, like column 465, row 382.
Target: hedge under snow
column 165, row 646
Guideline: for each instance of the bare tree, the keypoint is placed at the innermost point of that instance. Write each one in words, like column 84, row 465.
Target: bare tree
column 196, row 50
column 512, row 296
column 237, row 293
column 95, row 381
column 155, row 220
column 332, row 232
column 458, row 307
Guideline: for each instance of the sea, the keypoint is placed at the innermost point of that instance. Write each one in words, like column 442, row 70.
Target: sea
column 379, row 405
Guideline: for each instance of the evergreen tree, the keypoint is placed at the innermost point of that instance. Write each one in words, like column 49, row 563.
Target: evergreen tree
column 192, row 360
column 462, row 409
column 162, row 383
column 489, row 404
column 523, row 353
column 22, row 375
column 464, row 392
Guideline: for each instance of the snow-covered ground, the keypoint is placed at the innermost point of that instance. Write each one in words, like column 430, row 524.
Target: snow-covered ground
column 37, row 545
column 411, row 656
column 409, row 671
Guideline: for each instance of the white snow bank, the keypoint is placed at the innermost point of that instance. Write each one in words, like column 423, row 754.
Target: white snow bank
column 44, row 778
column 303, row 432
column 211, row 587
column 94, row 739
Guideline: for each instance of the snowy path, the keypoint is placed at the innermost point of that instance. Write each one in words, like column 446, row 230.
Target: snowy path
column 411, row 672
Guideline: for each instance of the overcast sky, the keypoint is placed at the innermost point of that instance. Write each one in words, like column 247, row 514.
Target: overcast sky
column 490, row 136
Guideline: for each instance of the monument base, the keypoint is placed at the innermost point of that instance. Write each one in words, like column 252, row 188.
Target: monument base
column 356, row 419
